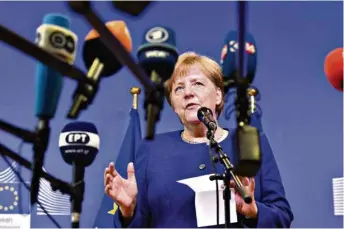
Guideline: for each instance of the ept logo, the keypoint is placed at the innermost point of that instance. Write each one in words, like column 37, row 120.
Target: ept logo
column 157, row 35
column 79, row 138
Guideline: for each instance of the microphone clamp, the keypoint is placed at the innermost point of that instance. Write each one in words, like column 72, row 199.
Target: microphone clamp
column 40, row 146
column 85, row 93
column 153, row 104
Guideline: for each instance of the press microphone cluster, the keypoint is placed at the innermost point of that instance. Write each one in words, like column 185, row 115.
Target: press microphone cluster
column 157, row 50
column 54, row 48
column 112, row 43
column 79, row 144
column 55, row 38
column 99, row 62
column 157, row 56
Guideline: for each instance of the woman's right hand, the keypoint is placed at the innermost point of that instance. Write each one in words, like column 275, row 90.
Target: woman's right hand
column 122, row 191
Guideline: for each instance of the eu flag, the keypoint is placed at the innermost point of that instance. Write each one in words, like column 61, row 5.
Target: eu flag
column 256, row 121
column 14, row 205
column 132, row 138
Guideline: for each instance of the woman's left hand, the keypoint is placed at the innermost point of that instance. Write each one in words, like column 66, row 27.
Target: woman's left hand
column 248, row 210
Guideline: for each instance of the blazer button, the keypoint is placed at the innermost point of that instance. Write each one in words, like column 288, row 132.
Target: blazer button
column 201, row 167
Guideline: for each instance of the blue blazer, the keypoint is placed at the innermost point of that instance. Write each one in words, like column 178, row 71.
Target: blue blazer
column 162, row 202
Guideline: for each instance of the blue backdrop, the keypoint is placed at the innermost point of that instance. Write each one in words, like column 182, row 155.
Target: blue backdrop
column 302, row 113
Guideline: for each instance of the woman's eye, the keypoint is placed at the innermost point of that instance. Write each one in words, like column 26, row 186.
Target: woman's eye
column 178, row 88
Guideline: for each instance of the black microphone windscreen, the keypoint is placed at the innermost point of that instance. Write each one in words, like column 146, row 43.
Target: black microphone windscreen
column 94, row 47
column 158, row 51
column 133, row 8
column 79, row 143
column 247, row 160
column 202, row 112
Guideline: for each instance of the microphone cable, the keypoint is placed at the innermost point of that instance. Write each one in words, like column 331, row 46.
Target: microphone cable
column 212, row 159
column 26, row 186
column 20, row 147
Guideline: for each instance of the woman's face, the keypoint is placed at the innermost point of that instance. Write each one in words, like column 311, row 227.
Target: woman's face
column 191, row 92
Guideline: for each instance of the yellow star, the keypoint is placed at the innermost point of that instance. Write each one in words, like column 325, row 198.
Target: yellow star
column 113, row 211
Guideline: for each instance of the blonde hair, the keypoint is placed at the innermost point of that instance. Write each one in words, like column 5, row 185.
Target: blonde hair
column 206, row 65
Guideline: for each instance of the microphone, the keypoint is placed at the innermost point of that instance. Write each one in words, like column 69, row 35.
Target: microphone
column 333, row 68
column 98, row 59
column 55, row 37
column 205, row 115
column 79, row 144
column 157, row 56
column 248, row 154
column 229, row 62
column 133, row 8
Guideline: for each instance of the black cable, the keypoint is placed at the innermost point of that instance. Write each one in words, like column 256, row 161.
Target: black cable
column 27, row 187
column 20, row 147
column 216, row 181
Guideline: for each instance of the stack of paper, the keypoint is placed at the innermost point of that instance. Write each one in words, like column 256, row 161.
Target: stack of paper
column 205, row 201
column 338, row 195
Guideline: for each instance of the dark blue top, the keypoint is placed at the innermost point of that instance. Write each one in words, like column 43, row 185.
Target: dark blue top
column 162, row 202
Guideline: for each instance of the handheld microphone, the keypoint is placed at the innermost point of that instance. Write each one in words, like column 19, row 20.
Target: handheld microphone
column 98, row 59
column 205, row 115
column 55, row 37
column 157, row 56
column 79, row 144
column 133, row 8
column 333, row 68
column 229, row 62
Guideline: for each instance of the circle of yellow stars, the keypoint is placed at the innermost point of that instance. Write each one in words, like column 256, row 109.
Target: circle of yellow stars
column 16, row 198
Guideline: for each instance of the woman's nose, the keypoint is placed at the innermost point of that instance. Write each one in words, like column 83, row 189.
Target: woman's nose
column 188, row 92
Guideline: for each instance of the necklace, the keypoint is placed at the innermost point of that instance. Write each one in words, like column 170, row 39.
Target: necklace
column 193, row 142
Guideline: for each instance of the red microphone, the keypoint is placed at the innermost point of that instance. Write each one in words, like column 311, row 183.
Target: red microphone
column 334, row 68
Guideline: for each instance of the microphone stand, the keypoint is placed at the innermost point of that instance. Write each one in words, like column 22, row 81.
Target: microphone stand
column 85, row 93
column 226, row 177
column 40, row 139
column 40, row 146
column 153, row 104
column 79, row 188
column 56, row 183
column 76, row 191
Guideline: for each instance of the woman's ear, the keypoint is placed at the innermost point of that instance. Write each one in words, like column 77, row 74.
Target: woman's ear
column 218, row 96
column 171, row 104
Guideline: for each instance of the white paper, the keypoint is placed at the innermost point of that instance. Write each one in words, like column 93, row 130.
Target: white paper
column 20, row 221
column 205, row 201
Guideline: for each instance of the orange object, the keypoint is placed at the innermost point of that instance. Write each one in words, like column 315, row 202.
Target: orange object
column 333, row 68
column 119, row 29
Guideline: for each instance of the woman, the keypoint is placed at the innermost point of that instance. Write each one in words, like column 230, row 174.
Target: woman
column 152, row 197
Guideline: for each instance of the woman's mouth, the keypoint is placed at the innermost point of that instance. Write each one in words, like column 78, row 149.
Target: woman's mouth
column 191, row 106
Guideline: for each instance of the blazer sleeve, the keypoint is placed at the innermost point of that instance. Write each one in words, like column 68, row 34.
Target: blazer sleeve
column 140, row 218
column 274, row 210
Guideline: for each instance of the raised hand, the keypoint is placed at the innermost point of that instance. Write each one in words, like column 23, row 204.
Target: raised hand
column 122, row 191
